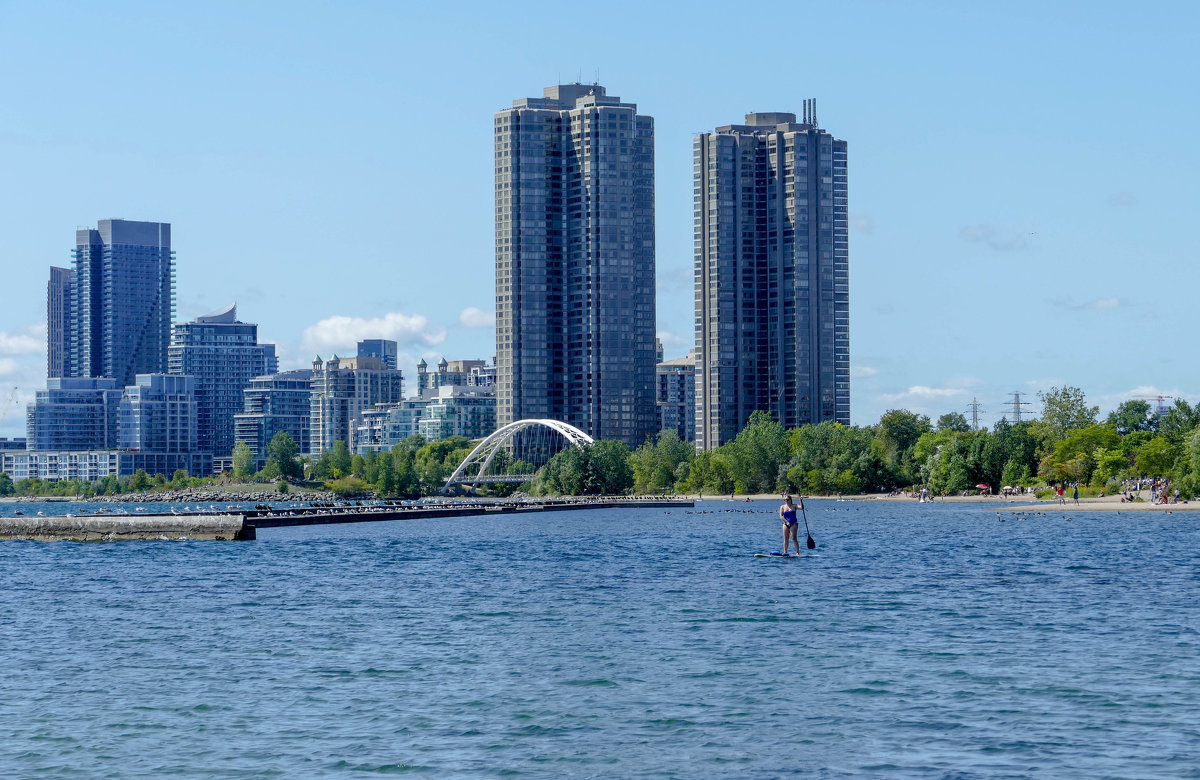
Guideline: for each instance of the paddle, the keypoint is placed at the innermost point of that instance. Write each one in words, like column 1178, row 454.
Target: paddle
column 812, row 543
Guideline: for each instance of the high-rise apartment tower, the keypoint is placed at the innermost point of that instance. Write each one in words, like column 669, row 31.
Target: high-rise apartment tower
column 772, row 298
column 575, row 318
column 222, row 354
column 58, row 304
column 122, row 300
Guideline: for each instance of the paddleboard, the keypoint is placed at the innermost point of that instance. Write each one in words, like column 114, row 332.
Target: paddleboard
column 775, row 555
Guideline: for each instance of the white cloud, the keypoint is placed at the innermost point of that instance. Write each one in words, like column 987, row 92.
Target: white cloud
column 474, row 317
column 8, row 368
column 1100, row 303
column 342, row 333
column 30, row 340
column 1148, row 393
column 861, row 372
column 988, row 235
column 862, row 223
column 678, row 279
column 922, row 393
column 671, row 339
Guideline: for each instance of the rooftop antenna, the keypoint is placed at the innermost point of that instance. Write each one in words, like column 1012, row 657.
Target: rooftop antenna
column 805, row 112
column 814, row 112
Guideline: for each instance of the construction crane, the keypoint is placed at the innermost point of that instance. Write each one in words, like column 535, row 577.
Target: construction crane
column 4, row 410
column 1160, row 403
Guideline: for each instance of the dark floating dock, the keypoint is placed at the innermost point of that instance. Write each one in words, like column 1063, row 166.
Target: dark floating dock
column 243, row 524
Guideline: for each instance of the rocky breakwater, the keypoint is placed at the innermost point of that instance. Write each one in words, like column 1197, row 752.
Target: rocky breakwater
column 108, row 528
column 201, row 496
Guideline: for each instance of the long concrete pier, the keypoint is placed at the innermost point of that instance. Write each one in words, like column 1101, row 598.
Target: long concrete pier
column 244, row 524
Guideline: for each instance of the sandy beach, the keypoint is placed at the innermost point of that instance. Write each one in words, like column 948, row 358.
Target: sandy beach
column 1025, row 503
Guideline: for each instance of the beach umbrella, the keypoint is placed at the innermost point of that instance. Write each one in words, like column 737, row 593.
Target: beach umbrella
column 982, row 486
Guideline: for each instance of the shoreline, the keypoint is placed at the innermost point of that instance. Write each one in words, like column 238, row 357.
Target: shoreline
column 1026, row 503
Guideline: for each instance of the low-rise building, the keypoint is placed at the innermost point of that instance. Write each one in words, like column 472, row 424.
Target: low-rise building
column 92, row 465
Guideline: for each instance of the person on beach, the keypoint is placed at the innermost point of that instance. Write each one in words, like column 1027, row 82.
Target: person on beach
column 787, row 513
column 1075, row 495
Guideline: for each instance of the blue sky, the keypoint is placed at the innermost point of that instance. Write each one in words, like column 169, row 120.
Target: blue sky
column 1022, row 175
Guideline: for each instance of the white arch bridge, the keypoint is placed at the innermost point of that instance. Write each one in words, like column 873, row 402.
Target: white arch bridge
column 515, row 452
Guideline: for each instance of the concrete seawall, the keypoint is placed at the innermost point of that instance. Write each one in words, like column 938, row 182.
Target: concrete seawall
column 244, row 525
column 108, row 528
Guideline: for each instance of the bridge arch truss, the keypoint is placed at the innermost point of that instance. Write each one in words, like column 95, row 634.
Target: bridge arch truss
column 473, row 470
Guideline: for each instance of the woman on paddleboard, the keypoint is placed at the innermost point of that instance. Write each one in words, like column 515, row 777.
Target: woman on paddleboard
column 787, row 513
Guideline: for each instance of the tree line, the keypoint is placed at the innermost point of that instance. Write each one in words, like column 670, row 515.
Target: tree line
column 1067, row 444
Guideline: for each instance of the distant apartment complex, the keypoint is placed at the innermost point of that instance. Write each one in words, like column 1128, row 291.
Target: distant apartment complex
column 122, row 292
column 458, row 410
column 74, row 413
column 342, row 389
column 460, row 373
column 771, row 267
column 675, row 396
column 272, row 404
column 88, row 428
column 222, row 355
column 575, row 295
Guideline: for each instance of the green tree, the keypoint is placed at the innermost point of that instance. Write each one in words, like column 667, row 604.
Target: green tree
column 140, row 481
column 656, row 463
column 601, row 468
column 349, row 486
column 899, row 430
column 758, row 454
column 1110, row 465
column 953, row 421
column 1156, row 458
column 283, row 456
column 1131, row 416
column 1074, row 457
column 1180, row 421
column 6, row 485
column 340, row 460
column 1065, row 409
column 243, row 461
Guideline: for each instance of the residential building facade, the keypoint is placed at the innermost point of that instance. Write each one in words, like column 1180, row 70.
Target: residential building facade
column 675, row 396
column 459, row 410
column 58, row 305
column 271, row 404
column 158, row 414
column 74, row 413
column 575, row 296
column 772, row 275
column 460, row 373
column 384, row 349
column 342, row 389
column 222, row 355
column 122, row 297
column 383, row 427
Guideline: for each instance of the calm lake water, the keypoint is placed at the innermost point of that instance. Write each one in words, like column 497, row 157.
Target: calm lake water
column 918, row 641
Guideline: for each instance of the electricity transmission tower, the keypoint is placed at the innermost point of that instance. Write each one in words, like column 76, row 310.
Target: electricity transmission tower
column 1016, row 403
column 975, row 408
